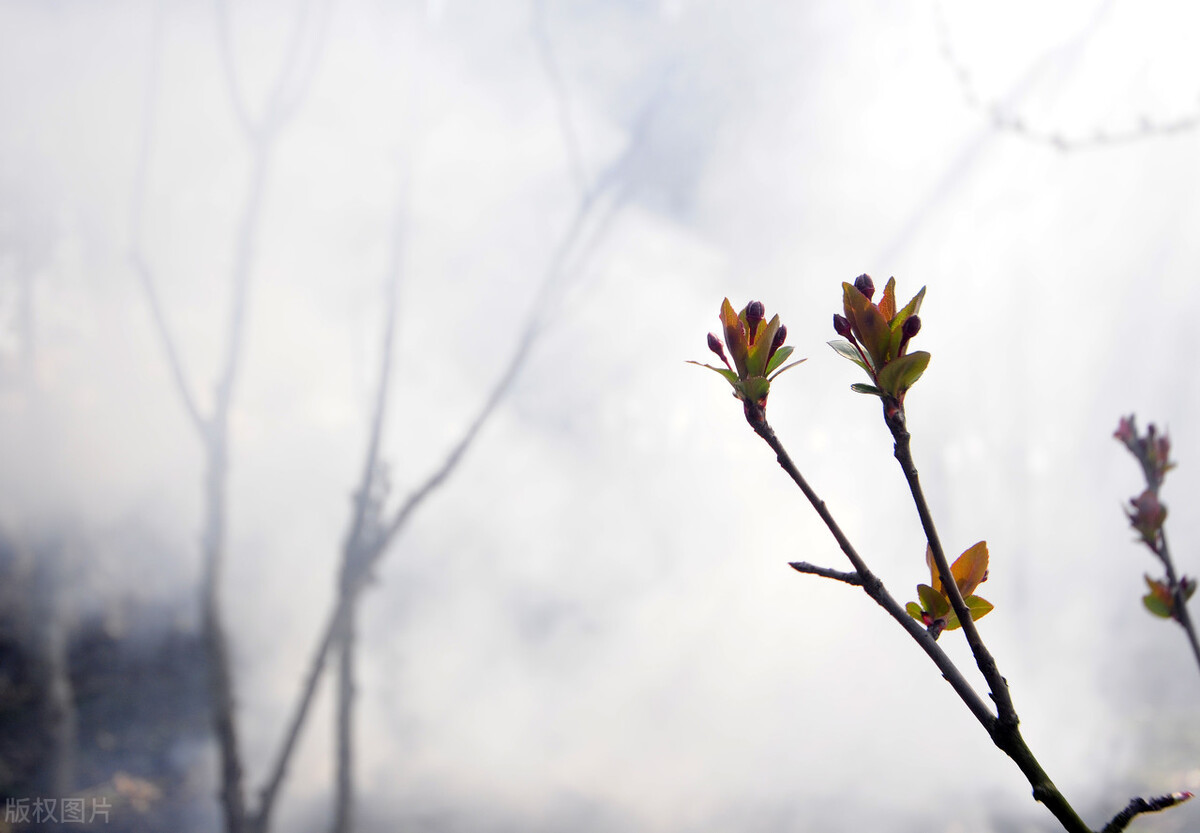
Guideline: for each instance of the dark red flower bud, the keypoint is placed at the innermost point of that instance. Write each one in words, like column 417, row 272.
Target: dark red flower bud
column 754, row 317
column 912, row 326
column 714, row 344
column 841, row 326
column 865, row 285
column 777, row 342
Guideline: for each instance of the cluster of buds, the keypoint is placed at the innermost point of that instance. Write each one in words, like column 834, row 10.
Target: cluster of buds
column 1153, row 450
column 1147, row 517
column 1147, row 514
column 875, row 336
column 756, row 347
column 969, row 571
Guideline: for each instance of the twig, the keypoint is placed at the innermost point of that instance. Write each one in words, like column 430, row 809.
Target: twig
column 1179, row 609
column 213, row 428
column 987, row 665
column 826, row 572
column 373, row 552
column 871, row 583
column 550, row 64
column 1142, row 805
column 364, row 528
column 343, row 811
column 1005, row 736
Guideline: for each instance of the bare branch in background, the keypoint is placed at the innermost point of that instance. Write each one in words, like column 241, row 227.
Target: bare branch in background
column 1002, row 113
column 364, row 529
column 285, row 98
column 593, row 214
column 562, row 100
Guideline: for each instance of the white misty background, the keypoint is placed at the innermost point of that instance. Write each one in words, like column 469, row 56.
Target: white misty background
column 591, row 624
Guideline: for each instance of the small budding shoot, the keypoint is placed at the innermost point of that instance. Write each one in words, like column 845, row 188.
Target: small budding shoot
column 1147, row 514
column 756, row 348
column 969, row 571
column 876, row 337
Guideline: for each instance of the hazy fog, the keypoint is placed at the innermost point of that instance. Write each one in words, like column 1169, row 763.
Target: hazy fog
column 591, row 625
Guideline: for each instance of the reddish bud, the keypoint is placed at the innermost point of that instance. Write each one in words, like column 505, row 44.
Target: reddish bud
column 777, row 342
column 754, row 316
column 912, row 326
column 865, row 285
column 1126, row 431
column 841, row 326
column 714, row 344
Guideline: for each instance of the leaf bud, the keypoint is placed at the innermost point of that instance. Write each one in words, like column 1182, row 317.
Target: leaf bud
column 714, row 344
column 777, row 342
column 754, row 316
column 865, row 285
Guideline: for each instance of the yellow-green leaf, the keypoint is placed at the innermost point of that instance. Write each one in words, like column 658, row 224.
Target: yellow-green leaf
column 781, row 356
column 729, row 375
column 900, row 374
column 1156, row 606
column 735, row 336
column 756, row 362
column 933, row 601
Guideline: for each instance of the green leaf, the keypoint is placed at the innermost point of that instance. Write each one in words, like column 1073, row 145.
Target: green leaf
column 729, row 375
column 875, row 334
column 756, row 361
column 915, row 611
column 900, row 374
column 785, row 367
column 859, row 387
column 781, row 356
column 1156, row 606
column 911, row 308
column 755, row 388
column 872, row 330
column 979, row 606
column 849, row 351
column 933, row 601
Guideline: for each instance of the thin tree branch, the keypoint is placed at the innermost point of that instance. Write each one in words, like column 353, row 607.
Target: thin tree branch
column 1005, row 736
column 611, row 180
column 137, row 259
column 562, row 100
column 260, row 822
column 199, row 422
column 871, row 583
column 1179, row 609
column 343, row 815
column 233, row 85
column 987, row 664
column 826, row 572
column 1138, row 806
column 213, row 429
column 364, row 528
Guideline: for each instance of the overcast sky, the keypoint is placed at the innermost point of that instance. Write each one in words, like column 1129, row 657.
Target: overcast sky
column 592, row 626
